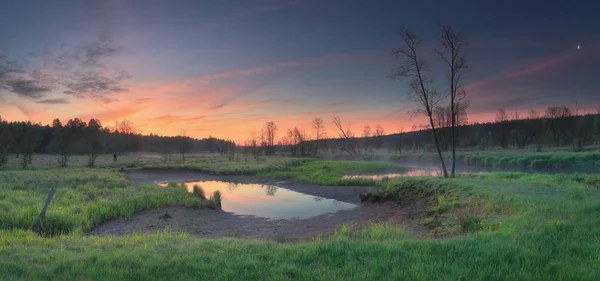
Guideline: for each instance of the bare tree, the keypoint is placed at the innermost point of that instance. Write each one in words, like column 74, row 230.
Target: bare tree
column 400, row 139
column 319, row 132
column 367, row 136
column 421, row 90
column 349, row 145
column 125, row 126
column 502, row 118
column 453, row 44
column 271, row 130
column 293, row 140
column 555, row 113
column 378, row 134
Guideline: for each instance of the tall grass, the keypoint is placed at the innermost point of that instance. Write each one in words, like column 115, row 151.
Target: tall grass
column 199, row 192
column 216, row 198
column 83, row 199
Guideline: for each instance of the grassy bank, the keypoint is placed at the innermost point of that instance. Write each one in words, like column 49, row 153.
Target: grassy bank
column 517, row 231
column 589, row 160
column 497, row 226
column 332, row 172
column 301, row 170
column 84, row 198
column 221, row 165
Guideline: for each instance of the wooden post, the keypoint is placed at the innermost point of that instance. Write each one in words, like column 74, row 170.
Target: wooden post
column 37, row 224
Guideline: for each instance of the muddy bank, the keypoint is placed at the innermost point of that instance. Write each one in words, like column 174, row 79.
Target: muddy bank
column 217, row 223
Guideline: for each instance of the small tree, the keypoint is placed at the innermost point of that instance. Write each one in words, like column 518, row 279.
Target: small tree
column 93, row 138
column 271, row 131
column 378, row 134
column 367, row 136
column 319, row 132
column 27, row 143
column 62, row 137
column 502, row 119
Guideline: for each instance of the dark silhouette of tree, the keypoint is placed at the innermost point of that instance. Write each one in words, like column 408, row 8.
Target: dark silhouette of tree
column 502, row 135
column 558, row 122
column 367, row 136
column 94, row 140
column 62, row 137
column 28, row 141
column 421, row 90
column 319, row 128
column 378, row 134
column 271, row 131
column 5, row 141
column 453, row 44
column 350, row 143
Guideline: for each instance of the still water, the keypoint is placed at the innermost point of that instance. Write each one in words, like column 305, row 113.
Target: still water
column 268, row 201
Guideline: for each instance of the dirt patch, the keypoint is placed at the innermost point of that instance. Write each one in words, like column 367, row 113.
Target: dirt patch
column 217, row 223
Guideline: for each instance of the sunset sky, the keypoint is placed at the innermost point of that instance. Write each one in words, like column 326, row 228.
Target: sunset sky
column 224, row 68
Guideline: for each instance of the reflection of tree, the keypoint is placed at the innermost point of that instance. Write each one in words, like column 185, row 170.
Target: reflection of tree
column 271, row 189
column 231, row 186
column 318, row 198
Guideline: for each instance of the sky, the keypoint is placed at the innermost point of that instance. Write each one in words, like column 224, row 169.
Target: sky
column 224, row 68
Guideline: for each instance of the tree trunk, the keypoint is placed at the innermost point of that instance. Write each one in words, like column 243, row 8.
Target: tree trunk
column 437, row 146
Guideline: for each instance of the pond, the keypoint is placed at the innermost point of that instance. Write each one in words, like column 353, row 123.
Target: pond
column 268, row 201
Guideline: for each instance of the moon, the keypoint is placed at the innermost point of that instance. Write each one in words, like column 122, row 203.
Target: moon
column 578, row 47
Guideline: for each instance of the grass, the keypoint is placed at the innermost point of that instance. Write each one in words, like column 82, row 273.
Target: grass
column 50, row 162
column 220, row 165
column 498, row 226
column 332, row 172
column 199, row 192
column 551, row 160
column 83, row 199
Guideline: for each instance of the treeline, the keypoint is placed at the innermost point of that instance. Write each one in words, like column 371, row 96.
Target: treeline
column 74, row 136
column 557, row 126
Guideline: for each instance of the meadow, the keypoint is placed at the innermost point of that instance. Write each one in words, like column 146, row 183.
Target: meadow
column 497, row 226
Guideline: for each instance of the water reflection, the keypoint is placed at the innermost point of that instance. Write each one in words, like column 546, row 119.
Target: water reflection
column 268, row 201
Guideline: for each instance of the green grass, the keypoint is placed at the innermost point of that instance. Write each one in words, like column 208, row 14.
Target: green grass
column 84, row 198
column 499, row 226
column 331, row 172
column 220, row 165
column 588, row 160
column 49, row 161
